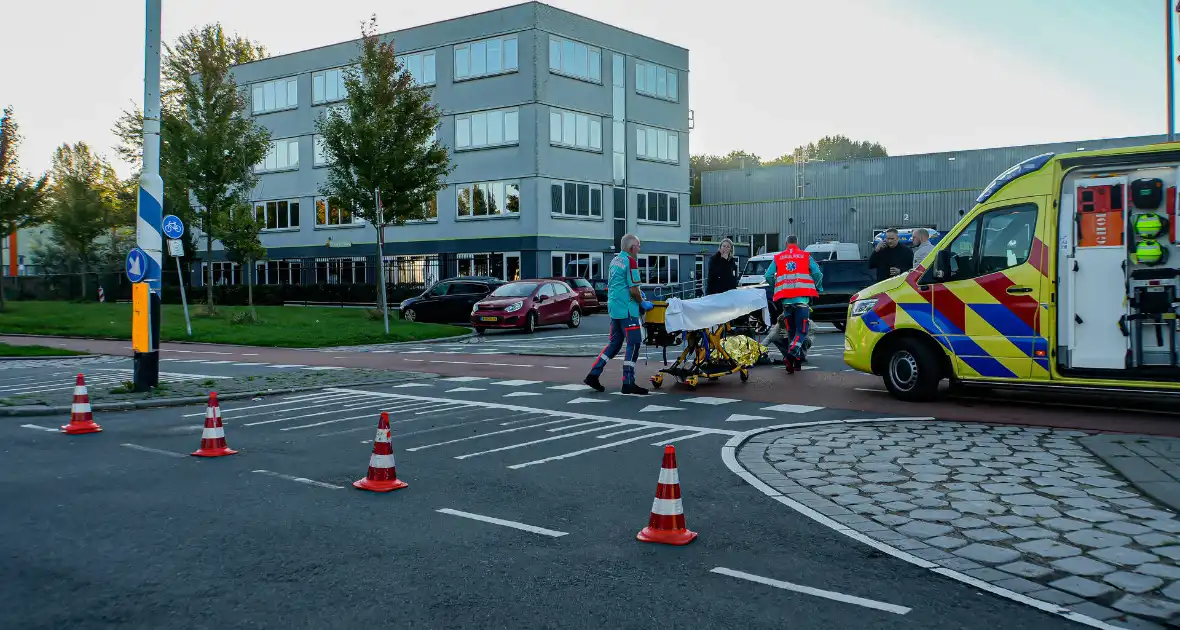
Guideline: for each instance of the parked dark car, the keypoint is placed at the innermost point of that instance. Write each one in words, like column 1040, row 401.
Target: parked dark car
column 449, row 301
column 587, row 296
column 527, row 304
column 599, row 290
column 842, row 280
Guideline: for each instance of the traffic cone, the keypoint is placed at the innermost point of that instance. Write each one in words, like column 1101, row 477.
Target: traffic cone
column 81, row 419
column 382, row 475
column 213, row 436
column 667, row 512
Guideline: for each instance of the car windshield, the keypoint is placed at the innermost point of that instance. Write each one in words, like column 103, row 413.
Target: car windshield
column 757, row 267
column 584, row 284
column 515, row 289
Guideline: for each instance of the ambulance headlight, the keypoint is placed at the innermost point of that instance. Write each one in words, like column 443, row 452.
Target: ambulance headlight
column 860, row 307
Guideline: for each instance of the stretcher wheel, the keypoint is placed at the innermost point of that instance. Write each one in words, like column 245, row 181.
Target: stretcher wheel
column 691, row 382
column 657, row 380
column 744, row 374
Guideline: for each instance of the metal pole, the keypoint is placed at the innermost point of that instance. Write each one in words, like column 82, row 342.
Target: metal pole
column 188, row 325
column 381, row 257
column 149, row 231
column 1171, row 101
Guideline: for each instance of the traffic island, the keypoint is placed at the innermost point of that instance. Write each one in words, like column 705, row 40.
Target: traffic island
column 186, row 389
column 1025, row 513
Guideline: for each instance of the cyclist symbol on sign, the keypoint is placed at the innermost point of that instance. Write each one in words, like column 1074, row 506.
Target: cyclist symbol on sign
column 173, row 227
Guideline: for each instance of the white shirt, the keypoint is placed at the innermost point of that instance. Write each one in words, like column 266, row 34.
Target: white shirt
column 921, row 251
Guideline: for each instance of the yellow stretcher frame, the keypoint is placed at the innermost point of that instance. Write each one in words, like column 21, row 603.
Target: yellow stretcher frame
column 702, row 346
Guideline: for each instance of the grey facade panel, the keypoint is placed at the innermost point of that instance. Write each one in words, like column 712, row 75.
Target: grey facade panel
column 954, row 170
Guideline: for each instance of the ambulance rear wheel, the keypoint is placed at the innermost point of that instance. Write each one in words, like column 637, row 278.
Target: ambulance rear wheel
column 912, row 372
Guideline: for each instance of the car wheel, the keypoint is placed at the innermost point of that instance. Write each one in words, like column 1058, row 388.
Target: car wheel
column 839, row 326
column 575, row 318
column 912, row 371
column 530, row 323
column 410, row 315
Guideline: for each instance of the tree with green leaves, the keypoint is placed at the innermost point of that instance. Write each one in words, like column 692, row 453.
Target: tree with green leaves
column 182, row 60
column 382, row 141
column 220, row 146
column 22, row 197
column 84, row 203
column 701, row 163
column 239, row 236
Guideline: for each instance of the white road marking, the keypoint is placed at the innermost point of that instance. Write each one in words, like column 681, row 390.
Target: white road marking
column 792, row 408
column 658, row 408
column 310, row 482
column 741, row 417
column 540, row 441
column 497, row 521
column 709, row 400
column 154, row 450
column 39, row 427
column 683, row 438
column 320, row 368
column 368, row 405
column 476, row 437
column 575, row 426
column 482, row 363
column 318, row 404
column 517, row 394
column 238, row 364
column 467, row 389
column 870, row 389
column 249, row 354
column 515, row 383
column 632, row 430
column 408, row 385
column 370, row 416
column 556, row 367
column 572, row 387
column 420, row 431
column 288, row 365
column 593, row 448
column 217, row 362
column 463, row 379
column 807, row 590
column 440, row 410
column 286, row 401
column 578, row 401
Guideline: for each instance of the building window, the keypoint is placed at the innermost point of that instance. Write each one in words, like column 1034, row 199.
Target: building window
column 487, row 129
column 764, row 243
column 328, row 86
column 658, row 269
column 277, row 215
column 283, row 155
column 321, row 152
column 485, row 58
column 657, row 144
column 576, row 264
column 430, row 210
column 571, row 129
column 575, row 59
column 224, row 272
column 489, row 199
column 279, row 272
column 657, row 207
column 420, row 65
column 572, row 199
column 330, row 212
column 272, row 96
column 340, row 270
column 502, row 265
column 657, row 81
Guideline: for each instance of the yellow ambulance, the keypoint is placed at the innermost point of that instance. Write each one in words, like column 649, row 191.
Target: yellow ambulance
column 1065, row 274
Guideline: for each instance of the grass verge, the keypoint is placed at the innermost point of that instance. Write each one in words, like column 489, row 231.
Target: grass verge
column 278, row 326
column 7, row 350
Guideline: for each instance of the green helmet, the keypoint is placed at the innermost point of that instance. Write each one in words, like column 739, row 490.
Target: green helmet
column 1149, row 225
column 1149, row 252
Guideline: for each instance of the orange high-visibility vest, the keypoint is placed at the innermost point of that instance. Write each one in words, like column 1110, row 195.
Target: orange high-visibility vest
column 792, row 274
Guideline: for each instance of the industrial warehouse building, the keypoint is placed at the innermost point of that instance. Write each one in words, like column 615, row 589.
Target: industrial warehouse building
column 851, row 201
column 566, row 133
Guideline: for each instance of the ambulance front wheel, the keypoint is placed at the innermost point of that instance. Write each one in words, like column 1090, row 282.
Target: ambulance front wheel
column 912, row 371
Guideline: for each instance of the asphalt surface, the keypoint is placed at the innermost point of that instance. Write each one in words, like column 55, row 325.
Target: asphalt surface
column 143, row 536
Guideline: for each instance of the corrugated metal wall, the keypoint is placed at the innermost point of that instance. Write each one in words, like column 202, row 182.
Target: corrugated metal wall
column 850, row 200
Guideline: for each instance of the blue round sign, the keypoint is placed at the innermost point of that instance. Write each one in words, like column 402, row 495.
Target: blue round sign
column 137, row 264
column 173, row 226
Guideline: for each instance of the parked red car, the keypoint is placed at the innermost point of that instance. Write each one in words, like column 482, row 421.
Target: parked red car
column 585, row 291
column 526, row 304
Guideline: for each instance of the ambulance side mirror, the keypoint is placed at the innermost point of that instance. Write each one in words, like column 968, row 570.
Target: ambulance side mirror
column 941, row 271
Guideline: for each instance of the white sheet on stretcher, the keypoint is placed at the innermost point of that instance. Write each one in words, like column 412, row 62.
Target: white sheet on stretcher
column 714, row 310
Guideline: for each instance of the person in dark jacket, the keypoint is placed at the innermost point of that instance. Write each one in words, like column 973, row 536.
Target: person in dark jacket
column 889, row 259
column 723, row 269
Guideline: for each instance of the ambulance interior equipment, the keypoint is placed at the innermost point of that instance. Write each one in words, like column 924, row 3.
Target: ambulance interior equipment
column 1118, row 273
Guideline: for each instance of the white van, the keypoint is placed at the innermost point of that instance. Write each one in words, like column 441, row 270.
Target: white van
column 834, row 250
column 755, row 271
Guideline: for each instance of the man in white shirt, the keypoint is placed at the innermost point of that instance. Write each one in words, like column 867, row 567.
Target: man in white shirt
column 922, row 245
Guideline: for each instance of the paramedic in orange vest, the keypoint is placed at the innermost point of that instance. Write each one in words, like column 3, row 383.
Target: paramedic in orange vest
column 797, row 279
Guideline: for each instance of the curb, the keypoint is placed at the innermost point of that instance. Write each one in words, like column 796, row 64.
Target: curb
column 729, row 456
column 390, row 344
column 132, row 405
column 235, row 345
column 48, row 358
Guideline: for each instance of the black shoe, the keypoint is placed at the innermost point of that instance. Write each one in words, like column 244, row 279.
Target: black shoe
column 790, row 366
column 593, row 382
column 632, row 388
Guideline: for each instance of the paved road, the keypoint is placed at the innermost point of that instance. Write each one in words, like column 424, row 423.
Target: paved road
column 123, row 528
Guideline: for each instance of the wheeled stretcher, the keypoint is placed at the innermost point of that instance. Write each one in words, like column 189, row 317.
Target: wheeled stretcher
column 703, row 322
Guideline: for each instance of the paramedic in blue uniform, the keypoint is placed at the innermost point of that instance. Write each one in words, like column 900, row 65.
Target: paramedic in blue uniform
column 793, row 291
column 624, row 303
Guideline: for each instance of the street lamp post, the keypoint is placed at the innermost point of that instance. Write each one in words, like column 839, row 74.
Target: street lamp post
column 148, row 229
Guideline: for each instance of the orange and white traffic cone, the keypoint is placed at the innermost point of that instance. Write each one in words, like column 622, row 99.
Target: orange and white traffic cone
column 667, row 512
column 81, row 418
column 382, row 475
column 213, row 436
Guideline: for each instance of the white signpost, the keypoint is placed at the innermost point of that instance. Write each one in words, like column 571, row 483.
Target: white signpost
column 174, row 229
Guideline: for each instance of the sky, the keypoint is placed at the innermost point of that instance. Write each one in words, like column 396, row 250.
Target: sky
column 766, row 75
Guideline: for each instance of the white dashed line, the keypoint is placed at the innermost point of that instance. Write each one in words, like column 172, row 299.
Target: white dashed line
column 497, row 521
column 807, row 590
column 154, row 450
column 310, row 482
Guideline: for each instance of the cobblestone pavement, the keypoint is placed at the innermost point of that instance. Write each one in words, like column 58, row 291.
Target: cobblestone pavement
column 1030, row 510
column 1150, row 463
